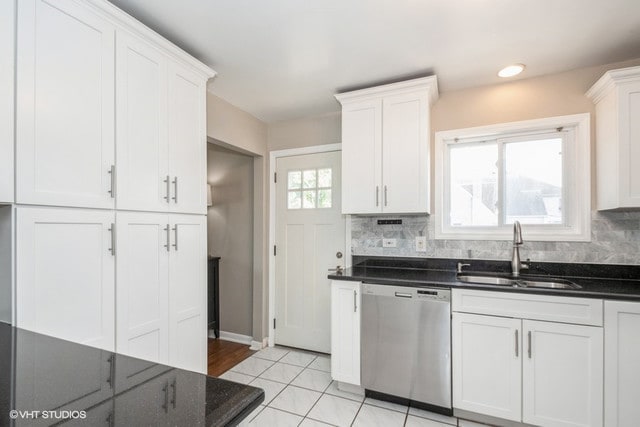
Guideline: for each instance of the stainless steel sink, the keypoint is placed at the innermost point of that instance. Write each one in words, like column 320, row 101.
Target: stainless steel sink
column 518, row 283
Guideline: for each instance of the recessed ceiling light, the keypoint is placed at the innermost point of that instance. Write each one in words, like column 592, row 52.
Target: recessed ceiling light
column 511, row 70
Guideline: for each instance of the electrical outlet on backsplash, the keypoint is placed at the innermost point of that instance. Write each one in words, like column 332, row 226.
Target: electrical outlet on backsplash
column 615, row 239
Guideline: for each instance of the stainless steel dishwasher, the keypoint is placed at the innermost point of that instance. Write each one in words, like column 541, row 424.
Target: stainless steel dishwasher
column 406, row 344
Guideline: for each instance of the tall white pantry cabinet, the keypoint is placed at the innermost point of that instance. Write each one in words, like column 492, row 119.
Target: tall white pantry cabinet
column 110, row 180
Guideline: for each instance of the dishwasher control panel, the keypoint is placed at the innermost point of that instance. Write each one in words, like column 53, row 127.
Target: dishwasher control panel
column 407, row 292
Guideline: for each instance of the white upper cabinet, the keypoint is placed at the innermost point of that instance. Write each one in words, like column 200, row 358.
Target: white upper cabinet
column 141, row 130
column 7, row 39
column 65, row 265
column 187, row 141
column 385, row 147
column 617, row 99
column 65, row 105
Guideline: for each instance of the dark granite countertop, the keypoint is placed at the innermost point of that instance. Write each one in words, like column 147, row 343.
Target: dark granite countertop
column 596, row 280
column 74, row 384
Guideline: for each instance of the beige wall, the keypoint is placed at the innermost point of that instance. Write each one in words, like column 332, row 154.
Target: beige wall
column 235, row 127
column 230, row 235
column 305, row 132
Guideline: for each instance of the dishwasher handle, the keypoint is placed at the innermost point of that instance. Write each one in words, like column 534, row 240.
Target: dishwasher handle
column 403, row 295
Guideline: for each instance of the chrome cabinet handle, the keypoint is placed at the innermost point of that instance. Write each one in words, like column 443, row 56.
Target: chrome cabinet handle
column 174, row 386
column 377, row 195
column 112, row 370
column 110, row 419
column 167, row 182
column 165, row 389
column 112, row 189
column 175, row 236
column 385, row 195
column 168, row 244
column 112, row 230
column 517, row 343
column 403, row 295
column 355, row 303
column 175, row 189
column 529, row 340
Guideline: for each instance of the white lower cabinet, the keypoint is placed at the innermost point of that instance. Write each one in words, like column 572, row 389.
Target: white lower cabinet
column 621, row 369
column 532, row 371
column 345, row 331
column 562, row 374
column 65, row 284
column 487, row 365
column 161, row 288
column 7, row 40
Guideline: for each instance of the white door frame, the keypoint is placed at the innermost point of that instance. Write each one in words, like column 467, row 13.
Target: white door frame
column 273, row 157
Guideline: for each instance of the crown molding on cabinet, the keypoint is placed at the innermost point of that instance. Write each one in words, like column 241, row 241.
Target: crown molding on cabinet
column 611, row 78
column 430, row 84
column 126, row 22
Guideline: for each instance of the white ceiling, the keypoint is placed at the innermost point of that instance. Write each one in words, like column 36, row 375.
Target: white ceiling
column 282, row 59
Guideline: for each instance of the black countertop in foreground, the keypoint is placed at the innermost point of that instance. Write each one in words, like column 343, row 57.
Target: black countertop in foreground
column 73, row 384
column 597, row 281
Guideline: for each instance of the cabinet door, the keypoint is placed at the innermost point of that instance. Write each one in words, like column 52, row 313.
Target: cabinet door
column 487, row 354
column 621, row 368
column 141, row 105
column 188, row 293
column 65, row 274
column 405, row 153
column 345, row 332
column 65, row 105
column 629, row 143
column 362, row 157
column 7, row 39
column 562, row 374
column 142, row 283
column 187, row 141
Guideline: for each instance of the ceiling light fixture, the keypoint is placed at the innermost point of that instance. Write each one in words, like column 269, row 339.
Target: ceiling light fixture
column 511, row 70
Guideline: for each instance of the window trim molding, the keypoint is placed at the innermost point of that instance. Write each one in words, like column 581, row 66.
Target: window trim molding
column 580, row 166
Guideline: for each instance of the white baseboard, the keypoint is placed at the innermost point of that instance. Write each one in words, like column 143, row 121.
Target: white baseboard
column 256, row 345
column 233, row 337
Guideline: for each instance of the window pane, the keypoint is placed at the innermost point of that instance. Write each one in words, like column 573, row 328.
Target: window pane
column 324, row 198
column 309, row 199
column 324, row 178
column 309, row 179
column 474, row 185
column 294, row 180
column 295, row 200
column 534, row 181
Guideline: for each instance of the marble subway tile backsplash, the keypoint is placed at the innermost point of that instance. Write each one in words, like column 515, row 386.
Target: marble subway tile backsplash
column 615, row 239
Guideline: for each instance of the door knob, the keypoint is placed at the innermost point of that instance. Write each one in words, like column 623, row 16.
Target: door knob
column 338, row 255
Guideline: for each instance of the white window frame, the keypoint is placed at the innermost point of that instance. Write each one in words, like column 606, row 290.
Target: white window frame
column 576, row 180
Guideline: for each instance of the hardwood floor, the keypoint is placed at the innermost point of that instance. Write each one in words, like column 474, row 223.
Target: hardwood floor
column 224, row 355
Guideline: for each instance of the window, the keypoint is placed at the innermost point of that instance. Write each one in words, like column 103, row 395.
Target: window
column 535, row 172
column 309, row 189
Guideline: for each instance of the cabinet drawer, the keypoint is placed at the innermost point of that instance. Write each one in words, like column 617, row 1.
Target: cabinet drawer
column 583, row 311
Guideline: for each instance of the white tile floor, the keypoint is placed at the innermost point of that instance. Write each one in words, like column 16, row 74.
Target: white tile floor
column 299, row 392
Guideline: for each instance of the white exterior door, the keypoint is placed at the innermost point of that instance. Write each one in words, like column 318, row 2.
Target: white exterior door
column 65, row 107
column 562, row 374
column 142, row 283
column 621, row 369
column 345, row 331
column 7, row 39
column 188, row 292
column 405, row 153
column 187, row 141
column 362, row 157
column 142, row 146
column 65, row 274
column 487, row 358
column 310, row 232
